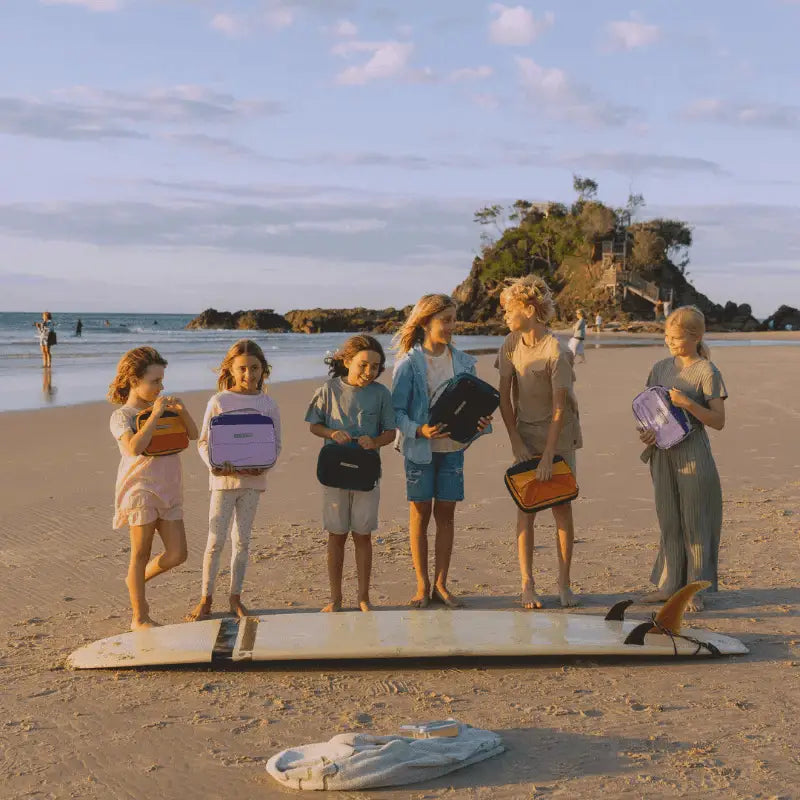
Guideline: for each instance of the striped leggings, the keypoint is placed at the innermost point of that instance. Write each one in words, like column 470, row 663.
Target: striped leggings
column 229, row 506
column 689, row 507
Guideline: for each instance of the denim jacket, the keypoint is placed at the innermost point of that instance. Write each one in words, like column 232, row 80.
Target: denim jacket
column 411, row 402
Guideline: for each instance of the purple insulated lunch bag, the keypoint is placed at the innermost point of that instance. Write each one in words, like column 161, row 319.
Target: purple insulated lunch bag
column 245, row 438
column 653, row 409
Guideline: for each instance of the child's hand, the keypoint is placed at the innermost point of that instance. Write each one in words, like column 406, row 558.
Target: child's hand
column 367, row 442
column 679, row 399
column 484, row 423
column 438, row 431
column 545, row 469
column 176, row 404
column 647, row 435
column 160, row 406
column 226, row 469
column 341, row 437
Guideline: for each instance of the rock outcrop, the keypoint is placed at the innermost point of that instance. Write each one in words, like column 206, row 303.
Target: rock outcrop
column 263, row 319
column 785, row 315
column 349, row 320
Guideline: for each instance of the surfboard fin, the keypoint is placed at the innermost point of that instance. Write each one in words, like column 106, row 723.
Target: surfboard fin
column 671, row 614
column 636, row 636
column 617, row 611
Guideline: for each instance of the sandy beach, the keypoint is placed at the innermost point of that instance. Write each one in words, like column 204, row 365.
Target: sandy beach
column 577, row 728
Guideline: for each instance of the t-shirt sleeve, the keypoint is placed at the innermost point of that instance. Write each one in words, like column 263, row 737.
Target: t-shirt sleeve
column 651, row 378
column 504, row 361
column 121, row 423
column 561, row 374
column 317, row 413
column 388, row 420
column 713, row 385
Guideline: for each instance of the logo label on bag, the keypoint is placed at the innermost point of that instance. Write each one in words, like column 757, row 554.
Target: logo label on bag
column 242, row 435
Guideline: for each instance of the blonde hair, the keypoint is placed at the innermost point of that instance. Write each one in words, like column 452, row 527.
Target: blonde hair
column 244, row 347
column 132, row 366
column 412, row 331
column 692, row 320
column 46, row 315
column 530, row 291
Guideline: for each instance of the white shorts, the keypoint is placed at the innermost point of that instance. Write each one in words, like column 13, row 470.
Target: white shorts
column 344, row 511
column 576, row 346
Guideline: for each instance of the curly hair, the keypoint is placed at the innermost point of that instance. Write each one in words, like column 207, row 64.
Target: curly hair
column 412, row 331
column 132, row 366
column 691, row 320
column 244, row 347
column 530, row 290
column 349, row 350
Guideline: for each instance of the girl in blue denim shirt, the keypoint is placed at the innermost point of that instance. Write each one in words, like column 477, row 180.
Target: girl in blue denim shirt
column 434, row 463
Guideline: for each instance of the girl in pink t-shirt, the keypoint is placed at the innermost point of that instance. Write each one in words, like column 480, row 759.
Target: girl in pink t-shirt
column 149, row 490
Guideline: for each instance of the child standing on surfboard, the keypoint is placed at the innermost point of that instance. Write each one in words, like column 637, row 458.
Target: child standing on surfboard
column 685, row 478
column 351, row 409
column 540, row 413
column 234, row 492
column 434, row 463
column 149, row 491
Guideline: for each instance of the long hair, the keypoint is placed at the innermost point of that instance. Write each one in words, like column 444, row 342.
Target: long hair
column 349, row 350
column 244, row 347
column 530, row 290
column 692, row 320
column 412, row 331
column 46, row 315
column 132, row 366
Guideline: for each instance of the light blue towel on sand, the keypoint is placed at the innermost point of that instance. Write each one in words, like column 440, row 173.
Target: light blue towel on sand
column 363, row 761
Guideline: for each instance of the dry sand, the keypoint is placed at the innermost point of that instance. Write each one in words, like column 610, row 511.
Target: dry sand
column 574, row 728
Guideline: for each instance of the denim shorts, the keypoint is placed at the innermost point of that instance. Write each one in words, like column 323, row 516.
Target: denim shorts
column 442, row 479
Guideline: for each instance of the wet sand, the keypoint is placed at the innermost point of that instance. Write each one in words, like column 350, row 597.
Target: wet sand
column 574, row 727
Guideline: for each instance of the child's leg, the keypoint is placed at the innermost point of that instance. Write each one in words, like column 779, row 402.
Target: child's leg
column 566, row 537
column 525, row 527
column 246, row 503
column 363, row 545
column 173, row 535
column 220, row 518
column 419, row 517
column 141, row 545
column 444, row 512
column 336, row 543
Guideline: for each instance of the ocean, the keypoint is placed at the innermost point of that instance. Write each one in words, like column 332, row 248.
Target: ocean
column 84, row 366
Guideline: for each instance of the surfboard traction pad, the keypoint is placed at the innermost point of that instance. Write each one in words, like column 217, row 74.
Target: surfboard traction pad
column 400, row 634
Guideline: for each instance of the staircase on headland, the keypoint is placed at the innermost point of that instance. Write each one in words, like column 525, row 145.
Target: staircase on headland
column 626, row 280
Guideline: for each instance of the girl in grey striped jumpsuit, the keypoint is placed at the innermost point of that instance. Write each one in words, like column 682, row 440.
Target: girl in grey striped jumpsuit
column 685, row 478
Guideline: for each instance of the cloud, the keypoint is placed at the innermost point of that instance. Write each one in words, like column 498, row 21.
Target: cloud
column 630, row 34
column 629, row 163
column 552, row 91
column 470, row 74
column 91, row 5
column 278, row 17
column 86, row 114
column 344, row 28
column 230, row 25
column 386, row 60
column 213, row 144
column 752, row 115
column 515, row 26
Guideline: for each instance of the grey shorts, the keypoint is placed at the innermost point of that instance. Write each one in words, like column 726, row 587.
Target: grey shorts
column 344, row 510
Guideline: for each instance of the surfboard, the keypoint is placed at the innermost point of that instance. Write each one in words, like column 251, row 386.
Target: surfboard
column 399, row 634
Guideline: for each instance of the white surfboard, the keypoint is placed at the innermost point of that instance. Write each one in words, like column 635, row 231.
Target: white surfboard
column 398, row 634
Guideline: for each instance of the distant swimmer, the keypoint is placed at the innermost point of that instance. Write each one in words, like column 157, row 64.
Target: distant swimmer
column 78, row 327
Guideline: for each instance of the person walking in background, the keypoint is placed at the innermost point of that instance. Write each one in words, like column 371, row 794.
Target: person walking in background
column 685, row 479
column 78, row 327
column 47, row 337
column 598, row 323
column 578, row 336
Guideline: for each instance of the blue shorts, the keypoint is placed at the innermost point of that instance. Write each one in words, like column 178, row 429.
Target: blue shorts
column 442, row 479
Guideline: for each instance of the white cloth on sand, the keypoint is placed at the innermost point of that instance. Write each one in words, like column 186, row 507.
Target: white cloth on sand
column 363, row 761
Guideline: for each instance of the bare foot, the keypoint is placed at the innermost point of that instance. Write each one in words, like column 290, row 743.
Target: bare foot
column 530, row 599
column 237, row 608
column 334, row 605
column 143, row 624
column 364, row 605
column 201, row 611
column 441, row 593
column 654, row 597
column 696, row 604
column 420, row 599
column 567, row 598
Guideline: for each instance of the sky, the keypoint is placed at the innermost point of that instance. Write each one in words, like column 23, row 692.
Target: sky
column 174, row 155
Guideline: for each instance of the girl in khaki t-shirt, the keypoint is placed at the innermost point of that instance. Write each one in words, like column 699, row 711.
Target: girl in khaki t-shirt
column 540, row 413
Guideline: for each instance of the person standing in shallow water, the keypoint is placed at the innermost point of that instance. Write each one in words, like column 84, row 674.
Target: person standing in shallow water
column 685, row 479
column 47, row 335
